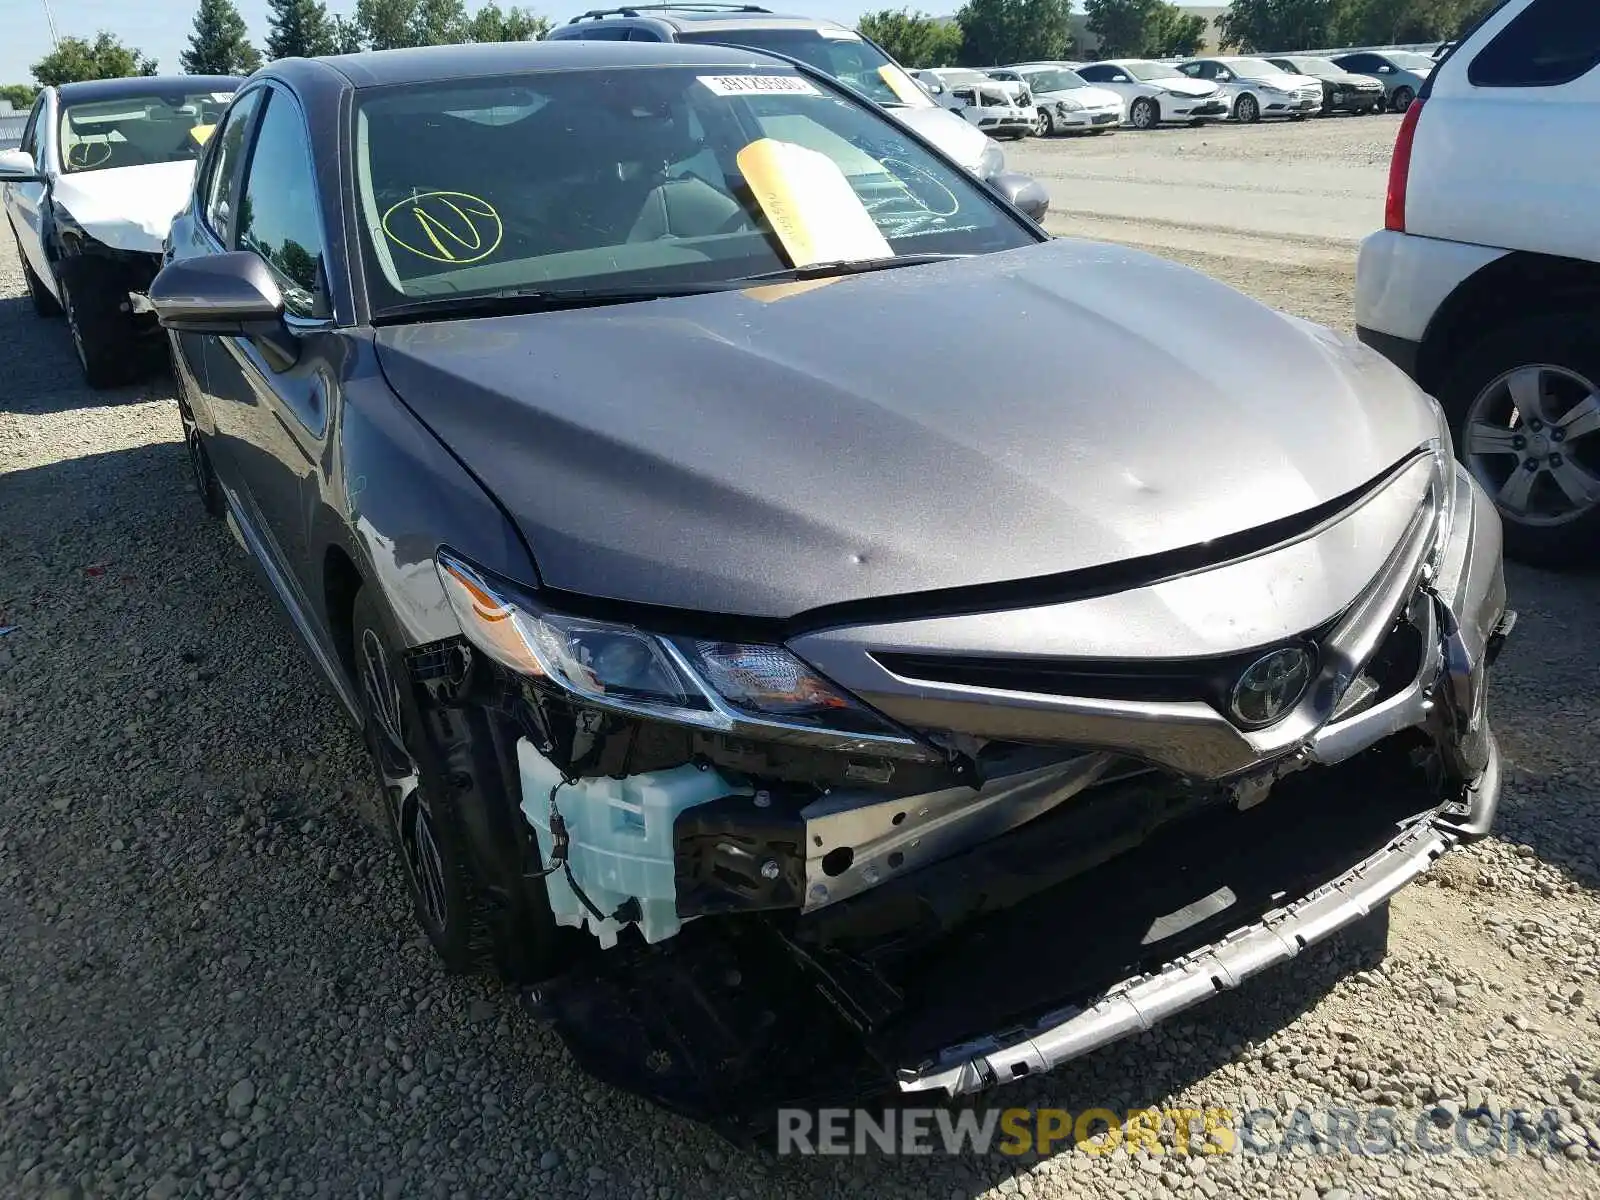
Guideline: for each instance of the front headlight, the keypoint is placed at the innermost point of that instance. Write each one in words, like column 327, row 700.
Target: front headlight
column 992, row 161
column 1068, row 106
column 721, row 686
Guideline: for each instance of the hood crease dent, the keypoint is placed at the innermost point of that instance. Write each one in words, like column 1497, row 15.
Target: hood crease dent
column 127, row 208
column 763, row 458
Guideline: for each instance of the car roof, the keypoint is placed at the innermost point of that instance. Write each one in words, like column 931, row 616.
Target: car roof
column 90, row 90
column 433, row 64
column 710, row 17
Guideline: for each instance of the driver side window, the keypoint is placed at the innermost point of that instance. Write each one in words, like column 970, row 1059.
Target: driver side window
column 278, row 208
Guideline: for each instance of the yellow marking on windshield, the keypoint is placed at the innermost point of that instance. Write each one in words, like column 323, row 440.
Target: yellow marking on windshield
column 902, row 85
column 202, row 133
column 446, row 227
column 810, row 204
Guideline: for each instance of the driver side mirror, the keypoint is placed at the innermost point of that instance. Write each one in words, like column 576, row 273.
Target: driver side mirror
column 1025, row 192
column 17, row 166
column 230, row 295
column 1119, row 79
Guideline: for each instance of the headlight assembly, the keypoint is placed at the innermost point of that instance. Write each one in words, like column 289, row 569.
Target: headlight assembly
column 1068, row 106
column 722, row 686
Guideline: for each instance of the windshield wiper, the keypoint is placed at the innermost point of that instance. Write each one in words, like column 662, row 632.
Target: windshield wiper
column 509, row 301
column 849, row 266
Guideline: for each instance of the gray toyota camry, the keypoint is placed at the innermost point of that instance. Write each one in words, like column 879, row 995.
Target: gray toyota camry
column 786, row 707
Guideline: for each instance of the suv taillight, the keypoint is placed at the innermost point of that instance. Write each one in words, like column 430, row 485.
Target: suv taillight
column 1394, row 214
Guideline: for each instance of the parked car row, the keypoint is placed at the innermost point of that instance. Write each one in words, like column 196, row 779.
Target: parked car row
column 1048, row 98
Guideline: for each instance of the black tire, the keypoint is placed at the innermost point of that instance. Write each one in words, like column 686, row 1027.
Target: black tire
column 201, row 472
column 1247, row 109
column 95, row 297
column 44, row 303
column 1144, row 113
column 1047, row 124
column 1564, row 341
column 1402, row 98
column 432, row 769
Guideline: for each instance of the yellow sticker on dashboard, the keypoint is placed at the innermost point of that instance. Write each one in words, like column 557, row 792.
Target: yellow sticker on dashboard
column 202, row 133
column 810, row 204
column 902, row 85
column 445, row 227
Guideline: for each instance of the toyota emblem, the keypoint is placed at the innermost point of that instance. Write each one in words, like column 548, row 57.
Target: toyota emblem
column 1270, row 687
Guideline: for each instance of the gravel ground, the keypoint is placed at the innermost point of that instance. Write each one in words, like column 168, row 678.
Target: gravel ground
column 211, row 985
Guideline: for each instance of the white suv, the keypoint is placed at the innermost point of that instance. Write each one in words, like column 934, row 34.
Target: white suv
column 1485, row 283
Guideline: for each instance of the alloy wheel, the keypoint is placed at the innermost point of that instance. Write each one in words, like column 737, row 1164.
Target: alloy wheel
column 1247, row 110
column 1402, row 99
column 73, row 328
column 1044, row 125
column 1532, row 439
column 1143, row 114
column 404, row 799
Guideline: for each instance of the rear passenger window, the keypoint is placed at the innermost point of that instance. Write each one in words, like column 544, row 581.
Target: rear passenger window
column 641, row 34
column 1551, row 42
column 606, row 33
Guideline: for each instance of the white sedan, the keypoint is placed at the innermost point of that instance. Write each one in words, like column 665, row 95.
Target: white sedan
column 1065, row 101
column 1255, row 88
column 1155, row 92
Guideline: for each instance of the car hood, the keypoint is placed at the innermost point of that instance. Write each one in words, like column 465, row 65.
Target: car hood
column 1350, row 79
column 1186, row 87
column 958, row 139
column 126, row 208
column 770, row 451
column 1089, row 97
column 1283, row 81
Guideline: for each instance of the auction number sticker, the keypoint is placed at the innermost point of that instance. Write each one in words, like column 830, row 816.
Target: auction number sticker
column 758, row 85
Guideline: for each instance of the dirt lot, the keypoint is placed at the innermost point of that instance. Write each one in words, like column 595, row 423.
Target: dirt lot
column 209, row 982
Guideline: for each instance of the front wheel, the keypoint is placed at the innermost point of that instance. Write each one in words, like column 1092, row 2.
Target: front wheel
column 1524, row 406
column 1144, row 113
column 1402, row 99
column 431, row 767
column 99, row 321
column 1247, row 110
column 1045, row 125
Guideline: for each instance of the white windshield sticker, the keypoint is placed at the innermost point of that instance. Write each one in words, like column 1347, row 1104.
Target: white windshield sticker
column 841, row 35
column 222, row 97
column 759, row 85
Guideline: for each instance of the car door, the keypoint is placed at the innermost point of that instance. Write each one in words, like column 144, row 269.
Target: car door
column 276, row 410
column 27, row 203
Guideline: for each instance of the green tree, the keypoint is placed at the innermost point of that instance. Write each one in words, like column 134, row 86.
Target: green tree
column 491, row 24
column 1176, row 34
column 1373, row 22
column 1007, row 31
column 1255, row 25
column 76, row 59
column 21, row 95
column 389, row 24
column 1122, row 26
column 913, row 39
column 347, row 36
column 218, row 45
column 298, row 29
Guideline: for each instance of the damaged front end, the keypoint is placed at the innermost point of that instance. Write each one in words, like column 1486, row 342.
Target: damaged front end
column 943, row 851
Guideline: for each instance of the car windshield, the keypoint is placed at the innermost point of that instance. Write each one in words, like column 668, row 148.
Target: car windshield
column 1250, row 66
column 667, row 178
column 1146, row 71
column 133, row 131
column 1054, row 81
column 839, row 52
column 1411, row 62
column 1320, row 67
